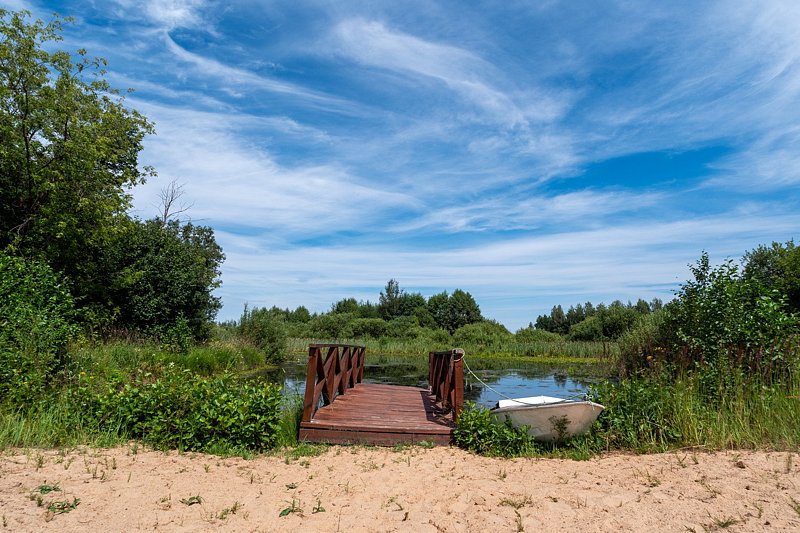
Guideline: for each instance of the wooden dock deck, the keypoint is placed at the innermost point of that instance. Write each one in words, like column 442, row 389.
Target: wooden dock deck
column 339, row 408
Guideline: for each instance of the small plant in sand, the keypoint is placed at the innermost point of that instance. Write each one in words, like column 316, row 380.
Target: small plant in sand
column 192, row 500
column 517, row 503
column 233, row 509
column 47, row 489
column 293, row 508
column 318, row 508
column 61, row 507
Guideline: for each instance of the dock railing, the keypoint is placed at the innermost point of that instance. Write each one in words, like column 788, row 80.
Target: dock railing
column 446, row 378
column 331, row 370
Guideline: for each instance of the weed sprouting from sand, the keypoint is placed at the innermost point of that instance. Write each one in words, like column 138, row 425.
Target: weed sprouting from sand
column 291, row 486
column 61, row 507
column 47, row 489
column 192, row 500
column 502, row 474
column 206, row 467
column 649, row 480
column 233, row 509
column 788, row 467
column 293, row 508
column 721, row 523
column 517, row 503
column 393, row 501
column 795, row 505
column 318, row 508
column 704, row 483
column 165, row 502
column 5, row 522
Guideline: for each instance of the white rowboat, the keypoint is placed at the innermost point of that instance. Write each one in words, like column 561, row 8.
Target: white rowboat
column 548, row 419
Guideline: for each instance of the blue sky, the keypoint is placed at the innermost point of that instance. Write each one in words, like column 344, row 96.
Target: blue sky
column 531, row 153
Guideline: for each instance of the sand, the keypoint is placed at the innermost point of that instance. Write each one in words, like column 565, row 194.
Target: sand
column 412, row 489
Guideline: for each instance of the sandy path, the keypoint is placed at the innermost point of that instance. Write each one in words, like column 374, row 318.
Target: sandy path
column 414, row 489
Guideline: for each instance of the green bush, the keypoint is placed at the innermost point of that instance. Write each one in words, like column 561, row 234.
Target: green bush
column 483, row 335
column 266, row 330
column 477, row 431
column 35, row 326
column 638, row 415
column 366, row 327
column 531, row 334
column 184, row 411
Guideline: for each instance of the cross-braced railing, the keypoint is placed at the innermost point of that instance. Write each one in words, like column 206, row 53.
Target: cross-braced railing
column 446, row 378
column 331, row 370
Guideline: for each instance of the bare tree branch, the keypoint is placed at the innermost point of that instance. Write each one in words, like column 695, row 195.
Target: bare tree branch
column 171, row 205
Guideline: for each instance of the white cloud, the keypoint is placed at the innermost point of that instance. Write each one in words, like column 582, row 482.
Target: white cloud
column 233, row 182
column 626, row 261
column 167, row 14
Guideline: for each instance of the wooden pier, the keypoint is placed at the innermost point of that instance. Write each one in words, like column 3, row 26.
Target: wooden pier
column 339, row 408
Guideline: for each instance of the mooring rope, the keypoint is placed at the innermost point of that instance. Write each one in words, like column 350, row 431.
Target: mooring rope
column 517, row 400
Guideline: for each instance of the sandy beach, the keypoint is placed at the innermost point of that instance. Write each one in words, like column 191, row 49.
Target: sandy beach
column 410, row 489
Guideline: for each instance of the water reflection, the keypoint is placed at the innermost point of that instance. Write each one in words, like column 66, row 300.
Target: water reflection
column 492, row 380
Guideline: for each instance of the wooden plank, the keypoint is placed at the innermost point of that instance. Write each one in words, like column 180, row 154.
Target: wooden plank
column 380, row 414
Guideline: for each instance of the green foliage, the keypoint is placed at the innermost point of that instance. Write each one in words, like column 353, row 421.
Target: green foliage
column 329, row 327
column 68, row 153
column 181, row 410
column 482, row 336
column 728, row 323
column 776, row 267
column 394, row 303
column 266, row 330
column 590, row 329
column 646, row 344
column 402, row 327
column 638, row 415
column 478, row 431
column 35, row 326
column 163, row 273
column 367, row 327
column 531, row 334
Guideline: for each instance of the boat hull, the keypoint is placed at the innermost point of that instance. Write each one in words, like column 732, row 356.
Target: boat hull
column 548, row 419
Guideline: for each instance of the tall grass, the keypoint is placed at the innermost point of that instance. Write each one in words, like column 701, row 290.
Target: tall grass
column 661, row 413
column 393, row 346
column 50, row 425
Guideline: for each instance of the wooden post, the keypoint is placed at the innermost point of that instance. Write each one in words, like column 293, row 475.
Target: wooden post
column 311, row 382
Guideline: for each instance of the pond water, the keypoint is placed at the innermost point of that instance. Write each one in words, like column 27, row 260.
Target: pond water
column 512, row 379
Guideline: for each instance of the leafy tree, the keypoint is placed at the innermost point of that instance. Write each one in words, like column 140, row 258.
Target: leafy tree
column 346, row 305
column 162, row 272
column 266, row 330
column 394, row 302
column 776, row 267
column 438, row 306
column 462, row 310
column 389, row 300
column 68, row 153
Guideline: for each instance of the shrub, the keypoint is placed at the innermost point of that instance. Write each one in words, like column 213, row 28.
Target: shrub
column 477, row 431
column 481, row 335
column 367, row 327
column 266, row 330
column 531, row 334
column 638, row 414
column 329, row 327
column 181, row 410
column 35, row 326
column 590, row 329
